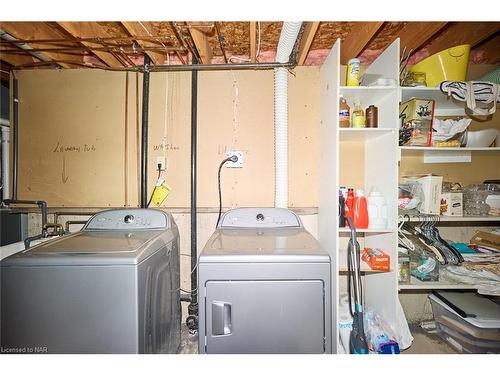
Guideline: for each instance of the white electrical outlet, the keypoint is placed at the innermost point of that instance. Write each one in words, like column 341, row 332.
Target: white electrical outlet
column 163, row 161
column 239, row 163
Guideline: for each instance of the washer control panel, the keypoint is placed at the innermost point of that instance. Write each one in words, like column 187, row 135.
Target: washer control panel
column 260, row 218
column 129, row 219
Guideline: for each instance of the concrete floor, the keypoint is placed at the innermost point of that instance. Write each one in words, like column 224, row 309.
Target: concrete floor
column 427, row 343
column 423, row 343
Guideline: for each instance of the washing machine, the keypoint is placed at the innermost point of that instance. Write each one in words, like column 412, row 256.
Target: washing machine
column 113, row 287
column 264, row 286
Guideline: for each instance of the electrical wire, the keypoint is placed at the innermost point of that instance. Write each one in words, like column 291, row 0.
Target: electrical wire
column 233, row 159
column 152, row 193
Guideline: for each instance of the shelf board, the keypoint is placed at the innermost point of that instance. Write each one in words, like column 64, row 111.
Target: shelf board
column 362, row 134
column 445, row 106
column 347, row 230
column 458, row 149
column 361, row 88
column 364, row 268
column 428, row 285
column 460, row 218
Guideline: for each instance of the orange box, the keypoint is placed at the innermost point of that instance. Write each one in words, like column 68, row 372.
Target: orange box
column 376, row 259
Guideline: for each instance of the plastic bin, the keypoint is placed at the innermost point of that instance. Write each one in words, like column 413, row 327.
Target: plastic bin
column 479, row 334
column 447, row 65
column 465, row 343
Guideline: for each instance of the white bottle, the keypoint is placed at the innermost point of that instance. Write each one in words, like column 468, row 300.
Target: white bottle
column 377, row 210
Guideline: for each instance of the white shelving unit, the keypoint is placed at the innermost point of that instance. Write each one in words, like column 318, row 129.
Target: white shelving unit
column 379, row 169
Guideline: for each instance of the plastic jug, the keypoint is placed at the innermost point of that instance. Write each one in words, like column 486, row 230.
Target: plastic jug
column 349, row 204
column 360, row 214
column 377, row 210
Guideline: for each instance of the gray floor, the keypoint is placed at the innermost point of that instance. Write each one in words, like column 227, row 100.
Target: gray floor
column 189, row 343
column 427, row 343
column 423, row 343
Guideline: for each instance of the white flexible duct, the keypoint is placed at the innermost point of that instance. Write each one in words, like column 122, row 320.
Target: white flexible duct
column 6, row 36
column 5, row 157
column 288, row 36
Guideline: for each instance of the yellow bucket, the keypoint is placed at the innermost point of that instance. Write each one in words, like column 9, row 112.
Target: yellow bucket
column 448, row 65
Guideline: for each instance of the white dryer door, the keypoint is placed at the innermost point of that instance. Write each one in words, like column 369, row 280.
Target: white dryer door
column 265, row 316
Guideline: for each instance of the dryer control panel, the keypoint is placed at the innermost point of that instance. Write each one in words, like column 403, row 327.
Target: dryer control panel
column 129, row 219
column 260, row 218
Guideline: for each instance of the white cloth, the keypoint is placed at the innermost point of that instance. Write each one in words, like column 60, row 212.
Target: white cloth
column 447, row 129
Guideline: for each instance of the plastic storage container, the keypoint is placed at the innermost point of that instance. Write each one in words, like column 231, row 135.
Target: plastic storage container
column 469, row 322
column 447, row 65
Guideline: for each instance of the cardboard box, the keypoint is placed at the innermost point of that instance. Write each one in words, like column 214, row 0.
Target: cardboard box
column 431, row 187
column 376, row 259
column 452, row 204
column 487, row 240
column 416, row 125
column 417, row 109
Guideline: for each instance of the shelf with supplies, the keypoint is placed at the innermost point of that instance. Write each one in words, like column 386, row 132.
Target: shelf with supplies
column 347, row 230
column 416, row 284
column 363, row 134
column 445, row 106
column 409, row 149
column 415, row 218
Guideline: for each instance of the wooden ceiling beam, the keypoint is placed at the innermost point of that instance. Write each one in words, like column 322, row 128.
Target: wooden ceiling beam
column 40, row 30
column 144, row 28
column 459, row 33
column 357, row 39
column 253, row 41
column 491, row 50
column 91, row 30
column 16, row 59
column 306, row 41
column 202, row 45
column 415, row 34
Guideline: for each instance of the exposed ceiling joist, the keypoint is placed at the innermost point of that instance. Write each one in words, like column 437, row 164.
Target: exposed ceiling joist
column 459, row 33
column 91, row 30
column 306, row 41
column 202, row 45
column 415, row 34
column 357, row 39
column 16, row 60
column 253, row 42
column 143, row 28
column 491, row 50
column 40, row 30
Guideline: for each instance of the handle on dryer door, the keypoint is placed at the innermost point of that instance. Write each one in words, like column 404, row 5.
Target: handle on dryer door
column 221, row 318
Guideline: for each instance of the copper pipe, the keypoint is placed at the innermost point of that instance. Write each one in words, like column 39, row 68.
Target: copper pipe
column 129, row 50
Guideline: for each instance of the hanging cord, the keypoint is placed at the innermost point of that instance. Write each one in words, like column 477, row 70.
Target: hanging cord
column 233, row 159
column 152, row 193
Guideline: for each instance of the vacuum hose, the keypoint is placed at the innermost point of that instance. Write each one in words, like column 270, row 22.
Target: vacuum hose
column 357, row 340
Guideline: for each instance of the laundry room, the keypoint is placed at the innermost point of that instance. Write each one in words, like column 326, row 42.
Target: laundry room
column 250, row 187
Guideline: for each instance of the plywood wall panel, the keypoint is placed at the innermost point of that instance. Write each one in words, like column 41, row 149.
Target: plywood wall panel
column 303, row 133
column 235, row 112
column 103, row 109
column 71, row 137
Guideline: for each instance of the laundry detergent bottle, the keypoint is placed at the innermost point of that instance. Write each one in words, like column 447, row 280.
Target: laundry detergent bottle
column 360, row 211
column 377, row 210
column 349, row 204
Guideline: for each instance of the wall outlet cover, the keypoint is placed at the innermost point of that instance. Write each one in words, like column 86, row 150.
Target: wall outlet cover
column 239, row 163
column 161, row 160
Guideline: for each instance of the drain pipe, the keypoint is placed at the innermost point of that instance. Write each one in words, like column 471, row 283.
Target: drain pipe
column 5, row 124
column 192, row 319
column 144, row 133
column 15, row 138
column 288, row 37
